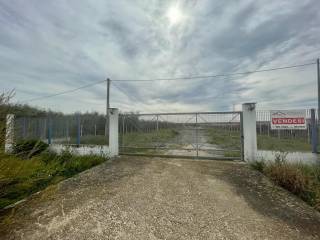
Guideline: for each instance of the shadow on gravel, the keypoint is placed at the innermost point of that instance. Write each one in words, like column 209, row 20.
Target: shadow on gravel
column 264, row 197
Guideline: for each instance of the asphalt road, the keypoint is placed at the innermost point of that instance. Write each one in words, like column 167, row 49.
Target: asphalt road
column 141, row 198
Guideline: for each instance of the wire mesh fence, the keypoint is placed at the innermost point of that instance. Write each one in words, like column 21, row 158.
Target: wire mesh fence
column 282, row 140
column 65, row 129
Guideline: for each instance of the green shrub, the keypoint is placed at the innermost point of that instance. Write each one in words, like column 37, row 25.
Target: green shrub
column 48, row 156
column 29, row 148
column 77, row 164
column 20, row 178
column 258, row 165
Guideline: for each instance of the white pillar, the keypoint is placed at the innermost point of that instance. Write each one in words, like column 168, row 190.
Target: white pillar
column 249, row 131
column 9, row 133
column 113, row 131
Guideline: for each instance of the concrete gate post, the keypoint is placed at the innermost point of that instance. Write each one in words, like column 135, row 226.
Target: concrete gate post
column 249, row 132
column 9, row 137
column 113, row 114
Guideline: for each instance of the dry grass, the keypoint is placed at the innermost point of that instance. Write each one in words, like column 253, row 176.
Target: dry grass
column 300, row 179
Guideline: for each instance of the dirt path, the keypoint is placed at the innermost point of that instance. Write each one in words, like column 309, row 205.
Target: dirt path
column 185, row 144
column 141, row 198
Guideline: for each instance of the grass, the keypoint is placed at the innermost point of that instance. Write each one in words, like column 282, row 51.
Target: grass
column 225, row 139
column 140, row 140
column 232, row 154
column 231, row 140
column 21, row 177
column 290, row 145
column 300, row 179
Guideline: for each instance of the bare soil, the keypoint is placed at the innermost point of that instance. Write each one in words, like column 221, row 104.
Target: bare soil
column 144, row 198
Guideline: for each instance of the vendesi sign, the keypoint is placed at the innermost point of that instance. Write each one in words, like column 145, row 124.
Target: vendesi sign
column 288, row 119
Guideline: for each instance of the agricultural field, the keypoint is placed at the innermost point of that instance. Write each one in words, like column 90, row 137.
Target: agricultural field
column 231, row 140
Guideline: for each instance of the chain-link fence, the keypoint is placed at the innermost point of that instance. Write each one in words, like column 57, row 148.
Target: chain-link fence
column 65, row 129
column 289, row 140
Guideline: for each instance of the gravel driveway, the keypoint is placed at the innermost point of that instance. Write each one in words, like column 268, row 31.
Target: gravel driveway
column 143, row 198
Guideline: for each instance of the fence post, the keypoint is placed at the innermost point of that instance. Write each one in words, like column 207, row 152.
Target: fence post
column 9, row 137
column 314, row 131
column 249, row 131
column 113, row 114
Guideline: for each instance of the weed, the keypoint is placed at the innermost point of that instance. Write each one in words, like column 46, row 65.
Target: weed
column 29, row 148
column 300, row 179
column 20, row 178
column 258, row 165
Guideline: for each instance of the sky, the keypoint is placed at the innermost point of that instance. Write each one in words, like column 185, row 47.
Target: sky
column 47, row 47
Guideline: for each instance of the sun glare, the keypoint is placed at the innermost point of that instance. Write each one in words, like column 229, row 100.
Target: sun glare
column 174, row 15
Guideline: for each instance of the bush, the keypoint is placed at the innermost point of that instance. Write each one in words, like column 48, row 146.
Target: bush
column 258, row 165
column 300, row 179
column 292, row 178
column 29, row 148
column 20, row 178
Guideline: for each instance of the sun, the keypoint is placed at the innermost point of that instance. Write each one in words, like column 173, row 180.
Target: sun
column 174, row 15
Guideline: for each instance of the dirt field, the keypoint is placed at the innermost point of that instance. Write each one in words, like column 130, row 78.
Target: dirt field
column 141, row 198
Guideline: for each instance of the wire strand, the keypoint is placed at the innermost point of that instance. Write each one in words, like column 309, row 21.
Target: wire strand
column 166, row 79
column 64, row 92
column 213, row 76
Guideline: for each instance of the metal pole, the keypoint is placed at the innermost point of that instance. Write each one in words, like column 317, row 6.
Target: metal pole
column 314, row 134
column 123, row 129
column 108, row 95
column 318, row 77
column 241, row 137
column 197, row 135
column 78, row 129
column 107, row 107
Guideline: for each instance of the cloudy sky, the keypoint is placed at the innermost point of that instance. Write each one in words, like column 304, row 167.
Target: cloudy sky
column 51, row 46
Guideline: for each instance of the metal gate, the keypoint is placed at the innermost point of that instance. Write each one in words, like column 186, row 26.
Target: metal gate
column 210, row 135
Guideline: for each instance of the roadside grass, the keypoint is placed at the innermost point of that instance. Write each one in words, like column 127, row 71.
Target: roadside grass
column 20, row 177
column 290, row 145
column 300, row 179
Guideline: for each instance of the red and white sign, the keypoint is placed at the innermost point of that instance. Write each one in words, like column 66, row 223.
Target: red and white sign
column 288, row 119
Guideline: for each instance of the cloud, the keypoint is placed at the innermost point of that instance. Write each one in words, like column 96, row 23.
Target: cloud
column 47, row 47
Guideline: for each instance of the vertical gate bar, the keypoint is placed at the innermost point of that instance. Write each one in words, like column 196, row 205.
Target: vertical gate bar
column 123, row 129
column 197, row 135
column 157, row 132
